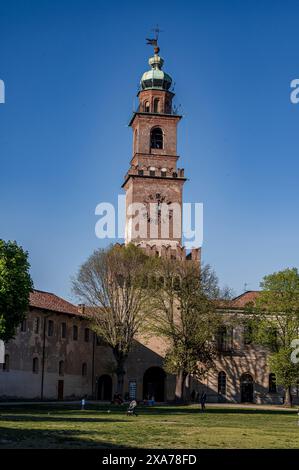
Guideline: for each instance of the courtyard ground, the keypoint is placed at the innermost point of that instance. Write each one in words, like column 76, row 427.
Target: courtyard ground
column 105, row 426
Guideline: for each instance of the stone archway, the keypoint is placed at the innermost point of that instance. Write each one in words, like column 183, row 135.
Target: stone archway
column 246, row 388
column 154, row 384
column 104, row 391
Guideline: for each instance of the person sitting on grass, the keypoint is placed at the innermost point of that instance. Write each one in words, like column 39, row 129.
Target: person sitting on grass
column 117, row 399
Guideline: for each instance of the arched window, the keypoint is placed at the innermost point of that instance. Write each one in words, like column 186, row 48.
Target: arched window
column 272, row 383
column 5, row 366
column 222, row 383
column 84, row 369
column 163, row 172
column 152, row 171
column 156, row 138
column 146, row 107
column 61, row 368
column 35, row 365
column 156, row 105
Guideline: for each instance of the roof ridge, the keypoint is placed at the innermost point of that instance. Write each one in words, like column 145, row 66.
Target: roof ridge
column 244, row 293
column 43, row 291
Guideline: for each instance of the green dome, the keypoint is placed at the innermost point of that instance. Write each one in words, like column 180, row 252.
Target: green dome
column 156, row 78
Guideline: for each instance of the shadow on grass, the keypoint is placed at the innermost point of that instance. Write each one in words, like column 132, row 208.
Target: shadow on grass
column 197, row 411
column 45, row 439
column 46, row 418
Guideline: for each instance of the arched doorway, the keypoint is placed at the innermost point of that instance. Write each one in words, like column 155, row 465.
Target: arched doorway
column 246, row 388
column 104, row 388
column 154, row 383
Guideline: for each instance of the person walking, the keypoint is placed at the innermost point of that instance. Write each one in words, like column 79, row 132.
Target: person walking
column 203, row 400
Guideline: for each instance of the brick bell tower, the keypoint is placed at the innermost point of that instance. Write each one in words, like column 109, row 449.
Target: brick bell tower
column 153, row 181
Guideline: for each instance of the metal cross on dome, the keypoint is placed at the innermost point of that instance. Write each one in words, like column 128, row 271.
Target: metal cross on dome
column 157, row 30
column 154, row 41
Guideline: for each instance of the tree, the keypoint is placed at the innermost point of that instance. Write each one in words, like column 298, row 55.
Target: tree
column 286, row 372
column 274, row 322
column 185, row 314
column 110, row 282
column 15, row 287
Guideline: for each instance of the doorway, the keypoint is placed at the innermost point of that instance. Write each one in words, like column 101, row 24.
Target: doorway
column 104, row 388
column 246, row 388
column 60, row 389
column 154, row 384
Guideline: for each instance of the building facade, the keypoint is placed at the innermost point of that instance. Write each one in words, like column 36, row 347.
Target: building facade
column 56, row 356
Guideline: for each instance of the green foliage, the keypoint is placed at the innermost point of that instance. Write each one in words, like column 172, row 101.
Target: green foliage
column 287, row 373
column 274, row 320
column 15, row 286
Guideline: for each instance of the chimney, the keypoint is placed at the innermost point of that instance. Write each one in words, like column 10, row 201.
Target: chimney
column 81, row 309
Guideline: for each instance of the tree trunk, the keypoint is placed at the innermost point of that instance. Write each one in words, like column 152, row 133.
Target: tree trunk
column 120, row 371
column 187, row 388
column 288, row 397
column 180, row 386
column 120, row 382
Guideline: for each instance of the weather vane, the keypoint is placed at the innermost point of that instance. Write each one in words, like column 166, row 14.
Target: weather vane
column 154, row 41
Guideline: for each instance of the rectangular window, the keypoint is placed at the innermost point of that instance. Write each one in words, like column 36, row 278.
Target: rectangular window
column 50, row 328
column 6, row 363
column 36, row 325
column 35, row 365
column 225, row 339
column 132, row 389
column 140, row 172
column 75, row 333
column 272, row 383
column 84, row 369
column 222, row 383
column 61, row 368
column 152, row 173
column 63, row 330
column 86, row 335
column 248, row 332
column 24, row 326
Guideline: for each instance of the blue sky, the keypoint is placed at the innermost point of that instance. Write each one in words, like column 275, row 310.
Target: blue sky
column 71, row 70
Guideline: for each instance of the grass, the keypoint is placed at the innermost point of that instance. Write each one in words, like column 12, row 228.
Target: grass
column 44, row 426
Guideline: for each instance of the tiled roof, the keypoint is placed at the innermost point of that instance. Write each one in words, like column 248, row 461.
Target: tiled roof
column 49, row 301
column 243, row 299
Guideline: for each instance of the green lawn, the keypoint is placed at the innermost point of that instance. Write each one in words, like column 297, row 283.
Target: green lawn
column 44, row 426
